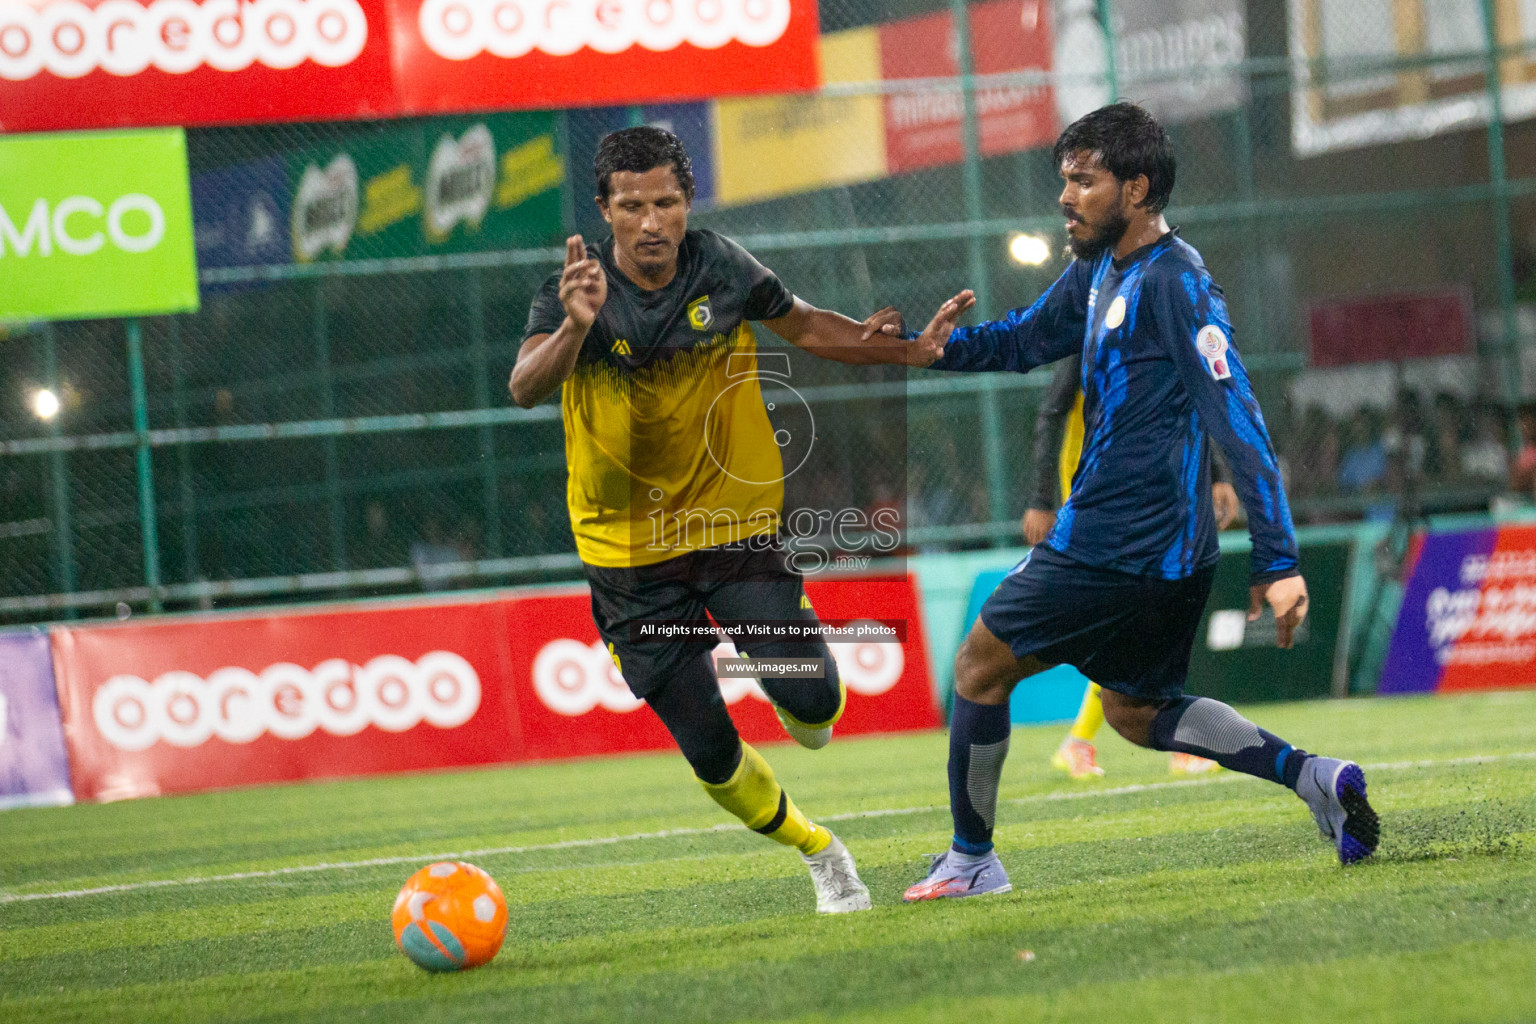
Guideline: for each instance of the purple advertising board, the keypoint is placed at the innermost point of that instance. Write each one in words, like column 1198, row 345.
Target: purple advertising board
column 1468, row 619
column 34, row 769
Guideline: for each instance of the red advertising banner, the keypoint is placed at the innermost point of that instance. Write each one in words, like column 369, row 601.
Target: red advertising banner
column 480, row 54
column 206, row 703
column 200, row 704
column 573, row 701
column 116, row 63
column 1391, row 327
column 923, row 128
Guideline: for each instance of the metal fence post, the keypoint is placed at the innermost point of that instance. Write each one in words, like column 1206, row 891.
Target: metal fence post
column 188, row 503
column 474, row 295
column 334, row 500
column 988, row 406
column 148, row 527
column 62, row 527
column 1503, row 247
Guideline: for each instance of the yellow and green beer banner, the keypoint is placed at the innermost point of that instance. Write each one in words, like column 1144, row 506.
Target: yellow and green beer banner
column 95, row 224
column 451, row 184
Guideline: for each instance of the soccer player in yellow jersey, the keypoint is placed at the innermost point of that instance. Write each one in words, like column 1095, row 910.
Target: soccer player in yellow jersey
column 676, row 479
column 1058, row 447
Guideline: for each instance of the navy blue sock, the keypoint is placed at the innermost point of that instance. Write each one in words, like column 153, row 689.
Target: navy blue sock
column 1209, row 728
column 978, row 743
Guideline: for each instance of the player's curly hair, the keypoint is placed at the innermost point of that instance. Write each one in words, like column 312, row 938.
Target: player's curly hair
column 1128, row 141
column 638, row 150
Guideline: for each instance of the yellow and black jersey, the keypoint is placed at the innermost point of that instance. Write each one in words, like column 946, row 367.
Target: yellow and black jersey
column 667, row 440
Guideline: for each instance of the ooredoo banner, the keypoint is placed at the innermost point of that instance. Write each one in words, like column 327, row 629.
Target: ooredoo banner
column 1468, row 619
column 476, row 54
column 33, row 768
column 201, row 704
column 572, row 699
column 207, row 703
column 106, row 63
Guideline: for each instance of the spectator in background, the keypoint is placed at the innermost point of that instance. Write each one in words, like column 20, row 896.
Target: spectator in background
column 1364, row 465
column 1522, row 478
column 1404, row 436
column 1442, row 457
column 1314, row 461
column 432, row 551
column 1484, row 459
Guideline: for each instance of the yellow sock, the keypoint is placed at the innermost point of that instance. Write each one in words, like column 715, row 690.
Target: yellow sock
column 1090, row 716
column 755, row 796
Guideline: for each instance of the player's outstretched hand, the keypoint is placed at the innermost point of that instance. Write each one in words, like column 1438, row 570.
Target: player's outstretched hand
column 1225, row 504
column 1288, row 597
column 583, row 285
column 886, row 323
column 929, row 346
column 1037, row 524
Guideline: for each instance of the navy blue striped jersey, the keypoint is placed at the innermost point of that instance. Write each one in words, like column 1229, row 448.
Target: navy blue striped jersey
column 1159, row 376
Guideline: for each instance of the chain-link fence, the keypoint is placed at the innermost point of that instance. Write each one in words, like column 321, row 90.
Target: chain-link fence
column 336, row 423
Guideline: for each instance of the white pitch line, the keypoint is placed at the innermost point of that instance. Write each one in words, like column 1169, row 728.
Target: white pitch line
column 672, row 833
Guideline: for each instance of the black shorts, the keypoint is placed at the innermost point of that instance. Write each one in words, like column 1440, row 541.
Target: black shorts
column 1131, row 634
column 734, row 585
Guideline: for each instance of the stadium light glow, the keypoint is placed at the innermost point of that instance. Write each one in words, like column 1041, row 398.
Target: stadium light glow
column 1030, row 250
column 45, row 404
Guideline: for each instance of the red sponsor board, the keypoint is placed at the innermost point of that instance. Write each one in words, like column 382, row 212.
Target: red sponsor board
column 114, row 63
column 1391, row 327
column 923, row 127
column 572, row 700
column 479, row 54
column 200, row 704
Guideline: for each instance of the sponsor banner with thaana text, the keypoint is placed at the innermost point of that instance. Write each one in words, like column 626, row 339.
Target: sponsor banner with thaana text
column 95, row 225
column 1468, row 619
column 452, row 184
column 33, row 767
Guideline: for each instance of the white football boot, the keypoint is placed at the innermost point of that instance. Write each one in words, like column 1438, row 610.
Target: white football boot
column 808, row 736
column 838, row 889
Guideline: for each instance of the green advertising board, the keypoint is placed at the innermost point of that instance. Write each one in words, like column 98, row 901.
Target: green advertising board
column 95, row 224
column 450, row 184
column 1237, row 661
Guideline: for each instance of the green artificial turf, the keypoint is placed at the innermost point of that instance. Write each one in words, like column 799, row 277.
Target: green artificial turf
column 1137, row 897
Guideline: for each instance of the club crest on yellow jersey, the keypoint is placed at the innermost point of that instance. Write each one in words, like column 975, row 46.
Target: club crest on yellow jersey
column 700, row 316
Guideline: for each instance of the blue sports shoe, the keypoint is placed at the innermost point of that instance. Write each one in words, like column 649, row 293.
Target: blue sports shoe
column 1335, row 792
column 948, row 878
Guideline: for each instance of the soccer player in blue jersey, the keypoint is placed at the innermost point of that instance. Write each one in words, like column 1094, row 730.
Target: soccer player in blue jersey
column 1118, row 587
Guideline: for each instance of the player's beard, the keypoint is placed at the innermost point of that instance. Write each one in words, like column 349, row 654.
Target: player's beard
column 1109, row 233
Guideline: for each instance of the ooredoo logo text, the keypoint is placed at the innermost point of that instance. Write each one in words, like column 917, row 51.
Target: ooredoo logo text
column 68, row 39
column 287, row 700
column 461, row 29
column 573, row 678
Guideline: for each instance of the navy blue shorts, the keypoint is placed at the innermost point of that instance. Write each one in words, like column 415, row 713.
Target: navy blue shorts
column 1130, row 634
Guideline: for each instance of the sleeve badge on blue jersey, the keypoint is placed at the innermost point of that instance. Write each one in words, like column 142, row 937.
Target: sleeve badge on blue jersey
column 1212, row 343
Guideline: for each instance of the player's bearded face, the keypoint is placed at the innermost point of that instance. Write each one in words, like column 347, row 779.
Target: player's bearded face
column 1093, row 202
column 649, row 215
